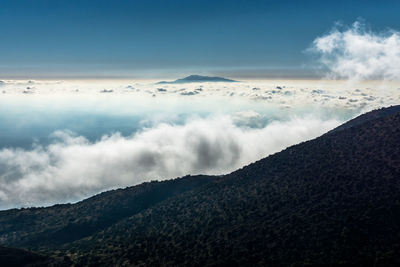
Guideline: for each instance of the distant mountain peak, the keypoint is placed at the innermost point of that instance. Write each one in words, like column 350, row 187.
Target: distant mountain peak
column 198, row 78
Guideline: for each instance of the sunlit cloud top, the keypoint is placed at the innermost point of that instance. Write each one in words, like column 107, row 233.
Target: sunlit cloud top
column 357, row 53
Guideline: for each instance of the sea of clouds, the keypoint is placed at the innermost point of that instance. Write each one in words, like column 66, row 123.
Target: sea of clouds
column 62, row 141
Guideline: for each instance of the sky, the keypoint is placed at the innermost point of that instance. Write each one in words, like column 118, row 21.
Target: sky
column 168, row 38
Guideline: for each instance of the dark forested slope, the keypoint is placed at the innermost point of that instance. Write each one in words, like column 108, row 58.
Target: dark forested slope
column 17, row 257
column 333, row 200
column 52, row 226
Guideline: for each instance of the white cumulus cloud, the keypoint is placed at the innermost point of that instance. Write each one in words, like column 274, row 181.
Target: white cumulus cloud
column 359, row 54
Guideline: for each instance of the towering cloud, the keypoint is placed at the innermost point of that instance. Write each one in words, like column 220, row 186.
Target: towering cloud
column 357, row 53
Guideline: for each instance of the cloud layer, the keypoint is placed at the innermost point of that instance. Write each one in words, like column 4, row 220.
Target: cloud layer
column 72, row 167
column 356, row 53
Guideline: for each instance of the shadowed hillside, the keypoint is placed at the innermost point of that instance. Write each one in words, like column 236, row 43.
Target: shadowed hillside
column 18, row 257
column 334, row 200
column 59, row 224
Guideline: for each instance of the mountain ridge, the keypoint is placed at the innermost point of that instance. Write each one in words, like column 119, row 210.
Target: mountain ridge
column 371, row 115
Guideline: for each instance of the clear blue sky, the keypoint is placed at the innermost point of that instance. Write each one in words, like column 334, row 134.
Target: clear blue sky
column 52, row 38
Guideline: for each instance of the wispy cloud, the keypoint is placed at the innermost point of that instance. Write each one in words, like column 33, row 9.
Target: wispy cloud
column 72, row 167
column 358, row 53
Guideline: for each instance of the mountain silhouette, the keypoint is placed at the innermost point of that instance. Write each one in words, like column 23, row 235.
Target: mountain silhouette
column 198, row 78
